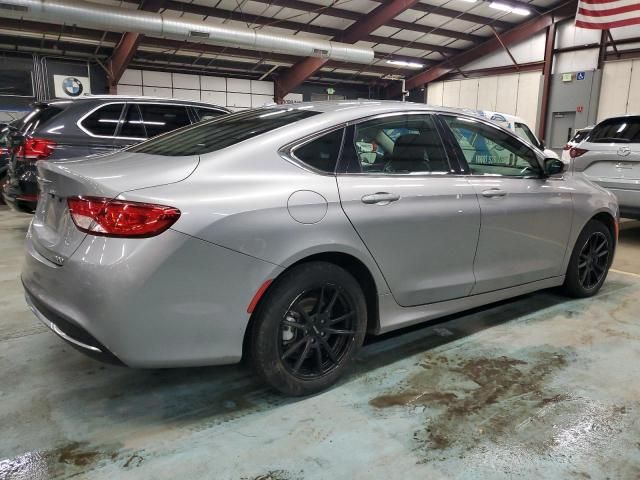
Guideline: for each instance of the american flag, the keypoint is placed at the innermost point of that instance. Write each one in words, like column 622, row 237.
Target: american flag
column 605, row 14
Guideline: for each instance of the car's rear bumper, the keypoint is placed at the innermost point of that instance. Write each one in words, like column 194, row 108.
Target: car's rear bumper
column 628, row 200
column 166, row 301
column 20, row 191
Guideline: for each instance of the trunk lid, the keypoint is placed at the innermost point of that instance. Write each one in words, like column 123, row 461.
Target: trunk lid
column 52, row 231
column 610, row 165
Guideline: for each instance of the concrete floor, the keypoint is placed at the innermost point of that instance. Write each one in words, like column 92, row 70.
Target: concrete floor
column 537, row 387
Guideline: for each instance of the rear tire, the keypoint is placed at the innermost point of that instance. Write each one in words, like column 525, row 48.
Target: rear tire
column 309, row 328
column 590, row 261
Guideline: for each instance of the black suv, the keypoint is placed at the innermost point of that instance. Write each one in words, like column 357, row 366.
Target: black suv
column 62, row 129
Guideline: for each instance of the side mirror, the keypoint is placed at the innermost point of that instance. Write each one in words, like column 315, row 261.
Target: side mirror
column 553, row 166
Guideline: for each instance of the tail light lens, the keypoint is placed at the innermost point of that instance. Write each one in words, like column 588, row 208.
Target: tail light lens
column 119, row 218
column 35, row 149
column 576, row 152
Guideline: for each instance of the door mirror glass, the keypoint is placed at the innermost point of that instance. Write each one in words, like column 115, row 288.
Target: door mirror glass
column 553, row 166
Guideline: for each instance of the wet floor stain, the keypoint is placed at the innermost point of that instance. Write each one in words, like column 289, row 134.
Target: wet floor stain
column 276, row 475
column 488, row 403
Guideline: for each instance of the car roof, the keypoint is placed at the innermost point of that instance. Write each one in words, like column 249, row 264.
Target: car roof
column 130, row 98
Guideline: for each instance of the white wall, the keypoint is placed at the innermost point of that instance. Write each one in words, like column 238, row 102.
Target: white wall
column 514, row 94
column 530, row 50
column 620, row 90
column 235, row 93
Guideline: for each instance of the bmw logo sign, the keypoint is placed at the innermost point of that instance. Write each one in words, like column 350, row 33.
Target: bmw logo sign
column 72, row 86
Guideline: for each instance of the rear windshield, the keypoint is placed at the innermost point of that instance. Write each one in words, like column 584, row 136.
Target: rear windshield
column 39, row 116
column 220, row 132
column 618, row 130
column 580, row 135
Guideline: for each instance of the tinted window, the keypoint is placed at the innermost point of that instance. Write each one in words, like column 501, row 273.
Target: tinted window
column 207, row 113
column 104, row 120
column 489, row 151
column 220, row 132
column 580, row 135
column 132, row 126
column 619, row 130
column 321, row 153
column 39, row 115
column 397, row 145
column 163, row 118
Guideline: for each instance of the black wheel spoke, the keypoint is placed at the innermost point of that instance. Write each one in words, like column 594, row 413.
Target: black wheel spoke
column 303, row 356
column 341, row 318
column 602, row 254
column 334, row 331
column 318, row 357
column 332, row 302
column 318, row 307
column 291, row 324
column 329, row 350
column 583, row 277
column 293, row 348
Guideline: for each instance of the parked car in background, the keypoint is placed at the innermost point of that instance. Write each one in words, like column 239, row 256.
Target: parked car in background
column 578, row 137
column 4, row 154
column 286, row 233
column 518, row 126
column 610, row 157
column 65, row 129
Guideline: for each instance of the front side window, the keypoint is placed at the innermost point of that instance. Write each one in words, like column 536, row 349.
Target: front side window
column 163, row 118
column 489, row 151
column 526, row 134
column 403, row 144
column 207, row 113
column 103, row 121
column 321, row 153
column 221, row 132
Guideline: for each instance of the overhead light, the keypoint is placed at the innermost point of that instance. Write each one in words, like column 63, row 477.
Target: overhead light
column 508, row 8
column 469, row 1
column 402, row 63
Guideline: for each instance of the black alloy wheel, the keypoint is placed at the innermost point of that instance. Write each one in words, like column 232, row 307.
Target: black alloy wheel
column 593, row 260
column 316, row 331
column 308, row 328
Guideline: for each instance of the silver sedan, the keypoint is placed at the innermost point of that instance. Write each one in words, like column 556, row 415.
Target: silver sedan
column 285, row 234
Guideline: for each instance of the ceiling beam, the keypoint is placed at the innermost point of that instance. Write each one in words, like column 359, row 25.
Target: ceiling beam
column 514, row 35
column 357, row 31
column 126, row 48
column 351, row 15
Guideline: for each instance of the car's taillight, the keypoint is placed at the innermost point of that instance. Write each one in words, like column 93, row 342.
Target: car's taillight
column 120, row 218
column 35, row 149
column 567, row 147
column 576, row 152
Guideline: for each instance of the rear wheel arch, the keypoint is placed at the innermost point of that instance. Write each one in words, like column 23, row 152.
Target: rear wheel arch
column 352, row 265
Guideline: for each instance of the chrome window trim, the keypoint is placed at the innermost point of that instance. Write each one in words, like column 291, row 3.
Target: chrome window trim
column 125, row 103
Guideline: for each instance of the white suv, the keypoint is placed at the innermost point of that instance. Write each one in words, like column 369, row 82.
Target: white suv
column 610, row 157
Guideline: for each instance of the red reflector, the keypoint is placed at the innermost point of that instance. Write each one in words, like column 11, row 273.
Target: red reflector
column 256, row 298
column 35, row 149
column 576, row 152
column 120, row 218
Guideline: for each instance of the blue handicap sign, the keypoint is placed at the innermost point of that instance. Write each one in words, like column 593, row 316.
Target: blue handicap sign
column 580, row 76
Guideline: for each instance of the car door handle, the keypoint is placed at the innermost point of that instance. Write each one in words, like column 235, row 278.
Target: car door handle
column 493, row 192
column 380, row 198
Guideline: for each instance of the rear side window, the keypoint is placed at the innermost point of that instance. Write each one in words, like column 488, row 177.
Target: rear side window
column 617, row 130
column 580, row 136
column 207, row 113
column 132, row 126
column 103, row 121
column 221, row 132
column 163, row 118
column 321, row 153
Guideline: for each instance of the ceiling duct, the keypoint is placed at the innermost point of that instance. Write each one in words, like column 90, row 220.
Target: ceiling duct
column 114, row 19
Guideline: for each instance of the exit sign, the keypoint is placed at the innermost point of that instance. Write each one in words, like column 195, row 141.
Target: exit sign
column 567, row 77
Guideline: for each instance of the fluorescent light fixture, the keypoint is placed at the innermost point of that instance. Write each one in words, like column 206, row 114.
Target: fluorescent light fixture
column 508, row 8
column 469, row 1
column 402, row 63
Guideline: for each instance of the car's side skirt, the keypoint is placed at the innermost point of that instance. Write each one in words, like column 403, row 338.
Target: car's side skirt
column 393, row 316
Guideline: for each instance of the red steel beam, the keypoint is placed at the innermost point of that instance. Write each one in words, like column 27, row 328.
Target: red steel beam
column 546, row 84
column 126, row 48
column 516, row 34
column 359, row 30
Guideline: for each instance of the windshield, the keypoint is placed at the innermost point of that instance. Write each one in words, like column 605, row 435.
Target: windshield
column 38, row 116
column 617, row 130
column 221, row 132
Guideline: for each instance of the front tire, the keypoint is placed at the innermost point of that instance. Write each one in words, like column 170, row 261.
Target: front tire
column 309, row 328
column 590, row 261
